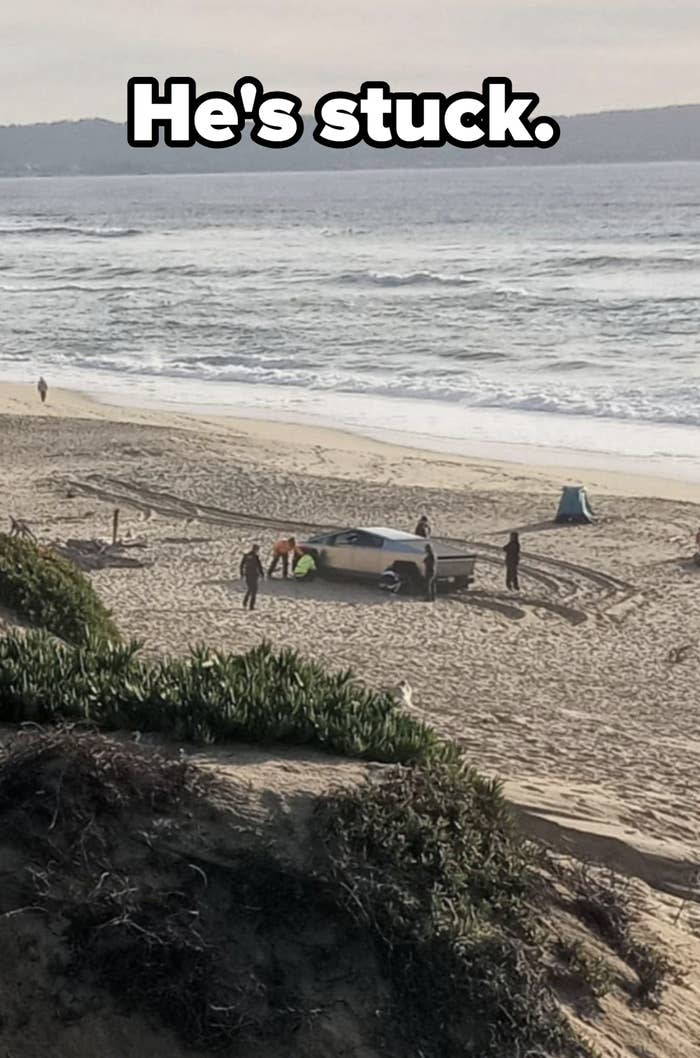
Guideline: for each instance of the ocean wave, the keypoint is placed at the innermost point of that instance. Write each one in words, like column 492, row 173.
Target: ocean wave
column 401, row 279
column 690, row 234
column 630, row 407
column 675, row 407
column 627, row 408
column 219, row 366
column 138, row 272
column 81, row 288
column 135, row 271
column 612, row 262
column 562, row 366
column 465, row 356
column 64, row 229
column 332, row 233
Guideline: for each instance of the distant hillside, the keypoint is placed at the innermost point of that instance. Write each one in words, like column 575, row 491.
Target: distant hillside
column 96, row 146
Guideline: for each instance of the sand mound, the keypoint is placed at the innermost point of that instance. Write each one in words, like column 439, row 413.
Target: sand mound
column 179, row 930
column 152, row 908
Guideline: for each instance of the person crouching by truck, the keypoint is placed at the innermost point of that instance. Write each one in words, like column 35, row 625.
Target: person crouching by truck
column 284, row 551
column 305, row 568
column 423, row 527
column 251, row 570
column 430, row 566
column 512, row 552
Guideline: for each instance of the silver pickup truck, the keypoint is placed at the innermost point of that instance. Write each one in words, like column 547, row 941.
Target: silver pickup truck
column 367, row 553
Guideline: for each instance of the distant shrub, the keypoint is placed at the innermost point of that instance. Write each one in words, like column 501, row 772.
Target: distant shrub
column 51, row 593
column 261, row 696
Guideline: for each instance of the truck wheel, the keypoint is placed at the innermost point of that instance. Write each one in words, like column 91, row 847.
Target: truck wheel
column 409, row 575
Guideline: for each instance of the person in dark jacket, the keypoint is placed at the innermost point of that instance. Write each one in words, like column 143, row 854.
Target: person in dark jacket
column 423, row 527
column 251, row 569
column 42, row 389
column 430, row 565
column 512, row 551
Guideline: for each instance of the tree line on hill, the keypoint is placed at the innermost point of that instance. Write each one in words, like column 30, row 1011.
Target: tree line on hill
column 99, row 147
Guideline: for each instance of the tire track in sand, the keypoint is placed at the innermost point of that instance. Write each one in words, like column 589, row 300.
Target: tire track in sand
column 556, row 575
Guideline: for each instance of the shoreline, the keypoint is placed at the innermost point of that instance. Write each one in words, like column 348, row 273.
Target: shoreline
column 454, row 469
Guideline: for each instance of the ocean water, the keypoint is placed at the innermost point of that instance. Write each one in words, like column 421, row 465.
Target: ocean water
column 549, row 313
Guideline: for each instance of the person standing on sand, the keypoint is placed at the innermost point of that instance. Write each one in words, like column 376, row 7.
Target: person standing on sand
column 423, row 527
column 251, row 569
column 42, row 389
column 283, row 550
column 512, row 551
column 430, row 564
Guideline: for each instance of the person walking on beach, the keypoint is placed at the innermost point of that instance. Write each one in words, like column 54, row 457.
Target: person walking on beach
column 430, row 565
column 512, row 551
column 251, row 569
column 283, row 551
column 42, row 389
column 423, row 527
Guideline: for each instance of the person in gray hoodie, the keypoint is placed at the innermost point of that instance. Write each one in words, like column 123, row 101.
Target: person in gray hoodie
column 512, row 552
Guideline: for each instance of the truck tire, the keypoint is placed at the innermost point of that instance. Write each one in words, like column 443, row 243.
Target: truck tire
column 410, row 577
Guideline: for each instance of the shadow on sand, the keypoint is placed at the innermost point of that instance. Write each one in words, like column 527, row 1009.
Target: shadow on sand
column 321, row 591
column 539, row 527
column 689, row 564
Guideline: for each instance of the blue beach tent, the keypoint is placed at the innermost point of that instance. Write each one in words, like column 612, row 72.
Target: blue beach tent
column 573, row 505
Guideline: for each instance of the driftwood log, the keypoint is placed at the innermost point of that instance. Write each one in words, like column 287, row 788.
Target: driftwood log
column 98, row 554
column 20, row 528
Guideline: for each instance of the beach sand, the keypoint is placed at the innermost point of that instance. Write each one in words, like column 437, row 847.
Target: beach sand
column 572, row 692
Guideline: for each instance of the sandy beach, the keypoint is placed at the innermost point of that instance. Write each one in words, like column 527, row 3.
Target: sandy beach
column 573, row 692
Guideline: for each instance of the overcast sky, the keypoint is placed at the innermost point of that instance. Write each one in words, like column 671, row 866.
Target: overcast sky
column 72, row 59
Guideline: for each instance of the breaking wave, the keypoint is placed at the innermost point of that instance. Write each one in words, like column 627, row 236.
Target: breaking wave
column 615, row 263
column 679, row 406
column 402, row 279
column 70, row 230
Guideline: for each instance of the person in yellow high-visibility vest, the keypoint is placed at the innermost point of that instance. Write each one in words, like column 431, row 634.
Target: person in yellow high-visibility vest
column 305, row 568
